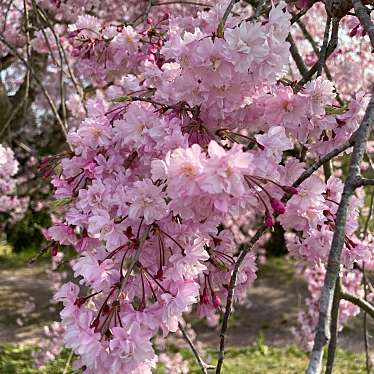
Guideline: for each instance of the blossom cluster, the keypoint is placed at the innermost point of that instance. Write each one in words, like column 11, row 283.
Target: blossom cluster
column 196, row 131
column 308, row 318
column 10, row 203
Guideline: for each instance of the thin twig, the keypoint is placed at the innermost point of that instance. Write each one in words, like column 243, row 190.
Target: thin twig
column 360, row 182
column 39, row 83
column 368, row 218
column 363, row 304
column 322, row 52
column 221, row 26
column 142, row 17
column 333, row 328
column 247, row 247
column 296, row 17
column 66, row 368
column 314, row 45
column 203, row 366
column 330, row 49
column 365, row 327
column 363, row 15
column 77, row 85
column 335, row 152
column 296, row 56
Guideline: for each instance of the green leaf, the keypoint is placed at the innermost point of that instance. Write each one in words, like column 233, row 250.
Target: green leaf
column 121, row 99
column 330, row 109
column 60, row 202
column 221, row 29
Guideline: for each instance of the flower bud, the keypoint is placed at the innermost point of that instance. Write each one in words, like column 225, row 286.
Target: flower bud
column 269, row 221
column 54, row 250
column 216, row 301
column 73, row 34
column 75, row 52
column 205, row 297
column 277, row 206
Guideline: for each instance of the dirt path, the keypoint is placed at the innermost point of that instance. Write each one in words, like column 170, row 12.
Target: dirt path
column 271, row 310
column 19, row 288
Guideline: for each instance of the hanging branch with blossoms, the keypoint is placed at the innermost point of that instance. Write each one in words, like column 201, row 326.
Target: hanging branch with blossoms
column 189, row 128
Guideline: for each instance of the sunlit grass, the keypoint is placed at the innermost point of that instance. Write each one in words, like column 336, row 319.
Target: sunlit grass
column 259, row 359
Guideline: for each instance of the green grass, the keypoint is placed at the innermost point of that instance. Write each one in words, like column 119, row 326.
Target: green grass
column 281, row 268
column 18, row 360
column 11, row 260
column 258, row 359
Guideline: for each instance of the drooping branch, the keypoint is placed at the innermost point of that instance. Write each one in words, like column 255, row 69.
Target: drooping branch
column 363, row 15
column 363, row 304
column 203, row 366
column 38, row 82
column 364, row 325
column 333, row 43
column 329, row 156
column 246, row 248
column 296, row 56
column 314, row 45
column 333, row 328
column 322, row 53
column 249, row 245
column 333, row 265
column 221, row 25
column 364, row 182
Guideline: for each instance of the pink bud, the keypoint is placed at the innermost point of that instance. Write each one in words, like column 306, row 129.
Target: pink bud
column 291, row 190
column 269, row 221
column 73, row 34
column 277, row 206
column 54, row 250
column 80, row 301
column 165, row 17
column 75, row 52
column 216, row 301
column 150, row 20
column 204, row 296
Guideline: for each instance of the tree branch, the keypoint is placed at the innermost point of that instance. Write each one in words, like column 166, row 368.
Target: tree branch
column 39, row 83
column 330, row 49
column 221, row 26
column 296, row 56
column 314, row 45
column 335, row 152
column 333, row 265
column 203, row 366
column 363, row 15
column 246, row 248
column 333, row 328
column 363, row 304
column 364, row 182
column 322, row 54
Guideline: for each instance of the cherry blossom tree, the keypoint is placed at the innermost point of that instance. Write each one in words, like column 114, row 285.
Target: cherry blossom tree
column 180, row 134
